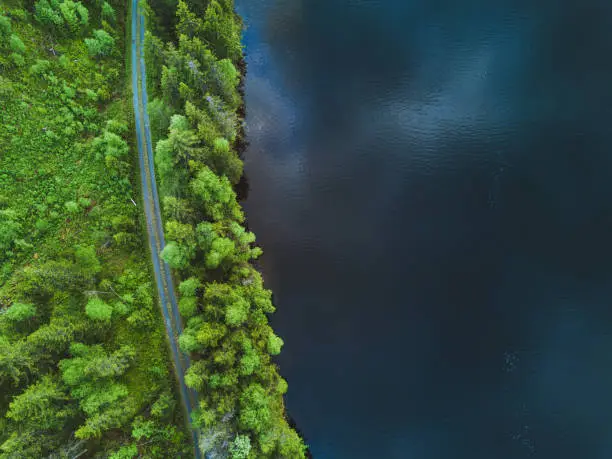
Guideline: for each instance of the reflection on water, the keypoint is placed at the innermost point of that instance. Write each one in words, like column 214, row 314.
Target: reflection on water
column 431, row 182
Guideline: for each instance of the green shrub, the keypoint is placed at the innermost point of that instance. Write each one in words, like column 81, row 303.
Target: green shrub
column 190, row 286
column 19, row 14
column 72, row 207
column 108, row 13
column 41, row 224
column 74, row 14
column 240, row 447
column 19, row 312
column 175, row 255
column 5, row 27
column 101, row 45
column 188, row 306
column 46, row 14
column 10, row 228
column 125, row 452
column 41, row 67
column 18, row 59
column 16, row 44
column 97, row 309
column 87, row 260
column 275, row 344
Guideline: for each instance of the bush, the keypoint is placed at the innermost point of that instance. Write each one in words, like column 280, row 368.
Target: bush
column 108, row 13
column 41, row 224
column 19, row 312
column 110, row 146
column 101, row 45
column 275, row 344
column 240, row 447
column 72, row 207
column 46, row 14
column 16, row 44
column 5, row 27
column 97, row 309
column 10, row 229
column 18, row 59
column 188, row 343
column 87, row 260
column 188, row 306
column 125, row 452
column 41, row 66
column 75, row 14
column 216, row 195
column 116, row 127
column 175, row 255
column 190, row 286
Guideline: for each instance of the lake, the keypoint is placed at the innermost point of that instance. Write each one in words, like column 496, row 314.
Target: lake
column 431, row 182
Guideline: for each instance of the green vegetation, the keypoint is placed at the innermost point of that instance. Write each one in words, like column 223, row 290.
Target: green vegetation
column 84, row 366
column 84, row 361
column 195, row 83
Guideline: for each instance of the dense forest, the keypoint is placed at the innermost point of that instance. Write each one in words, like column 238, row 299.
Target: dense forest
column 84, row 360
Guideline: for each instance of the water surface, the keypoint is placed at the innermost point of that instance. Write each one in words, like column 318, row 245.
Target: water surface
column 432, row 184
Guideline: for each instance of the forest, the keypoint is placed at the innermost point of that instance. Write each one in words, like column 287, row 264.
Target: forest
column 85, row 368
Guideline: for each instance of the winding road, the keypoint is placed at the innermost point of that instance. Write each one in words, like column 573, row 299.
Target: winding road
column 150, row 200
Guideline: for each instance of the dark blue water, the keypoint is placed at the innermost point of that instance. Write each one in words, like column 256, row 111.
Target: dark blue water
column 432, row 184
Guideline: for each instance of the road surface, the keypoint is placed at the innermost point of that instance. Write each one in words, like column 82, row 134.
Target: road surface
column 150, row 200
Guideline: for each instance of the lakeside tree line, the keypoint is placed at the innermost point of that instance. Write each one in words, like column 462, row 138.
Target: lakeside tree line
column 196, row 65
